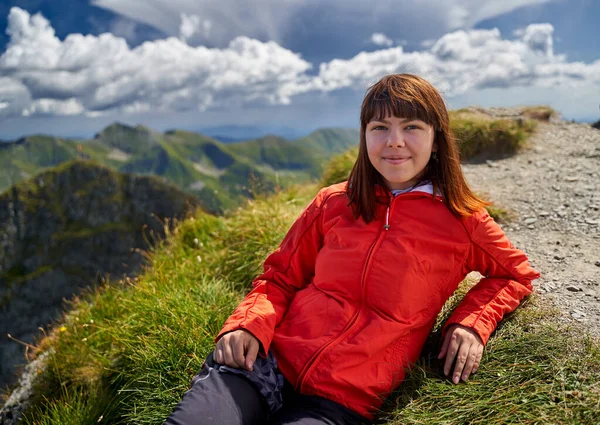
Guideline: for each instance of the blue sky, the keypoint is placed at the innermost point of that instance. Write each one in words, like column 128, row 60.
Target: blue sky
column 71, row 67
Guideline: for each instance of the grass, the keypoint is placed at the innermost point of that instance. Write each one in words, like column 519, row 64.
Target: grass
column 126, row 352
column 338, row 168
column 539, row 112
column 480, row 137
column 536, row 369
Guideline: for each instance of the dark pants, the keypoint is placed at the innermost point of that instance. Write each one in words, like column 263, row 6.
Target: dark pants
column 222, row 398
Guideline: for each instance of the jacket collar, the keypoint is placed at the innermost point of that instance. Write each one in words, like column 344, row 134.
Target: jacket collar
column 383, row 194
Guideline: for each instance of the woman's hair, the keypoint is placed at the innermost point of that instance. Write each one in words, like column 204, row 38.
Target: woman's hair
column 409, row 96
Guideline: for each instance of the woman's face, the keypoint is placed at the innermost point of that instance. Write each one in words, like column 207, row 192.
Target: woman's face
column 399, row 149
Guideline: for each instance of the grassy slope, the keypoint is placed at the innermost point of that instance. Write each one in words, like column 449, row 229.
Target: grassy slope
column 128, row 351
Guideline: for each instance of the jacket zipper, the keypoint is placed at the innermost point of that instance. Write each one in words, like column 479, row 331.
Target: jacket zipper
column 313, row 360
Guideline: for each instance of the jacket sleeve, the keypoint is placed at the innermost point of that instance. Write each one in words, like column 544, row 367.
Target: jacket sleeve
column 288, row 269
column 506, row 280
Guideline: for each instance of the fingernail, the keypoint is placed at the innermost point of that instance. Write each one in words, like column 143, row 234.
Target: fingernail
column 250, row 363
column 455, row 379
column 465, row 377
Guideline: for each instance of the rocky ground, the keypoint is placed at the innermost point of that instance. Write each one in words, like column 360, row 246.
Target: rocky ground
column 553, row 190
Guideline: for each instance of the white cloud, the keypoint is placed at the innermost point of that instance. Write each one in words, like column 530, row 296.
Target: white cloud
column 103, row 73
column 468, row 60
column 54, row 107
column 381, row 39
column 32, row 41
column 100, row 75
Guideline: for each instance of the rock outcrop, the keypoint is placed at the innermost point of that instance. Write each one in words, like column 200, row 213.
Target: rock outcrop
column 64, row 230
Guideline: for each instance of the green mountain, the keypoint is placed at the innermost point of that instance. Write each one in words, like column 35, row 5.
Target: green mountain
column 63, row 229
column 221, row 175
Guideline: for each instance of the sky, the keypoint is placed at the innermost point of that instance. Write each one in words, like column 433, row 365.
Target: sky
column 69, row 68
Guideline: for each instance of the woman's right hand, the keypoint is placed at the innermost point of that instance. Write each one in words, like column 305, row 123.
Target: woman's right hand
column 237, row 349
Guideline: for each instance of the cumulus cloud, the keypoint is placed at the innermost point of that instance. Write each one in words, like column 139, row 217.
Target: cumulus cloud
column 467, row 60
column 43, row 75
column 380, row 39
column 96, row 74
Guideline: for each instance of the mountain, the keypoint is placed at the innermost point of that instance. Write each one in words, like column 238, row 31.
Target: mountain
column 63, row 229
column 239, row 133
column 222, row 175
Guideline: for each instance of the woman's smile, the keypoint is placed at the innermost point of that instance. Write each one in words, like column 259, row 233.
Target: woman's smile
column 396, row 160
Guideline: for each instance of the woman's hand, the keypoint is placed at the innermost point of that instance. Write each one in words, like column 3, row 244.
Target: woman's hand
column 466, row 346
column 237, row 349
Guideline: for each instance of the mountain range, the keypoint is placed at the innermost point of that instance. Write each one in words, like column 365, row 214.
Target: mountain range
column 220, row 174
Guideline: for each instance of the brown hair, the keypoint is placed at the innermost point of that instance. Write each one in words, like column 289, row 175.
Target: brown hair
column 409, row 96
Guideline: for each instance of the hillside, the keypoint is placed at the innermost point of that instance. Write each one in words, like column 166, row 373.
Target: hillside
column 125, row 353
column 221, row 175
column 63, row 231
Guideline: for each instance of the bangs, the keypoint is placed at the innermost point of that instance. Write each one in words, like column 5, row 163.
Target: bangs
column 390, row 100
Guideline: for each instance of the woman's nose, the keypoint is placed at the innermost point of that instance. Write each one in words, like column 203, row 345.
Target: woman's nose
column 396, row 138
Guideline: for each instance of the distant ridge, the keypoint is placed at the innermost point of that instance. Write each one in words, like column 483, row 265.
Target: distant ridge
column 220, row 174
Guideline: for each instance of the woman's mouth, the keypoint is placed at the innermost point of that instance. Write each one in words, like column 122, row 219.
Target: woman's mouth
column 396, row 160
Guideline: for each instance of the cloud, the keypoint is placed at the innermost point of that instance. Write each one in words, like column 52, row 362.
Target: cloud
column 192, row 25
column 279, row 20
column 380, row 39
column 96, row 75
column 539, row 38
column 54, row 107
column 467, row 60
column 14, row 96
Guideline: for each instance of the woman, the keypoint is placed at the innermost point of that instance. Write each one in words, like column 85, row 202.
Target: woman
column 347, row 301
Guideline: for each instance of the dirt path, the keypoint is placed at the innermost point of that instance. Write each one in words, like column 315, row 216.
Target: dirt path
column 553, row 187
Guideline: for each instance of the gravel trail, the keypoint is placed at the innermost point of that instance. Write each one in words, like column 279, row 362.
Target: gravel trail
column 553, row 189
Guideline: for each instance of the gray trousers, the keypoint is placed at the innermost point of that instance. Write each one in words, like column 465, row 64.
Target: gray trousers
column 219, row 397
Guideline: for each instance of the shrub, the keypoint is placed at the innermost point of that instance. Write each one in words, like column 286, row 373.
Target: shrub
column 338, row 168
column 480, row 137
column 539, row 113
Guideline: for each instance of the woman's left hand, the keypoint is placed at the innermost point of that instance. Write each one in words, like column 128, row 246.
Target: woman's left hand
column 466, row 346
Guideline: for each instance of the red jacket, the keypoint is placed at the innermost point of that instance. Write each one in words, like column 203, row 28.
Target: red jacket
column 346, row 306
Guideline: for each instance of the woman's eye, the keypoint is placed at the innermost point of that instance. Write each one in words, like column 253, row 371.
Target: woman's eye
column 412, row 126
column 378, row 127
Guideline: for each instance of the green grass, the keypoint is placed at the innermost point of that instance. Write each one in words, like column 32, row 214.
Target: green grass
column 480, row 137
column 127, row 351
column 536, row 369
column 338, row 168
